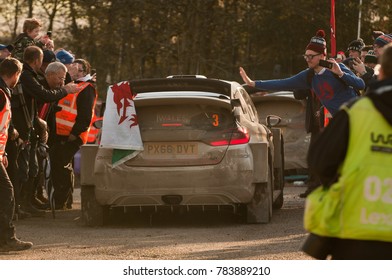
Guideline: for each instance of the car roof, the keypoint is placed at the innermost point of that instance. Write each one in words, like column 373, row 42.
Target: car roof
column 193, row 86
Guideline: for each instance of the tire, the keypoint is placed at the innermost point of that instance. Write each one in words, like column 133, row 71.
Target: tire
column 93, row 214
column 278, row 203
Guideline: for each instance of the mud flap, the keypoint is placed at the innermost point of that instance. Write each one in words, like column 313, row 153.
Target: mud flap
column 93, row 214
column 259, row 210
column 88, row 153
column 277, row 140
column 260, row 162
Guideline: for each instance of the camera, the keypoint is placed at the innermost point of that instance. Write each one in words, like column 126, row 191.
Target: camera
column 49, row 33
column 325, row 63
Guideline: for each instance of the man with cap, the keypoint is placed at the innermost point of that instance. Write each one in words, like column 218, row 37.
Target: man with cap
column 355, row 47
column 67, row 59
column 380, row 42
column 370, row 59
column 333, row 86
column 378, row 46
column 5, row 51
column 355, row 62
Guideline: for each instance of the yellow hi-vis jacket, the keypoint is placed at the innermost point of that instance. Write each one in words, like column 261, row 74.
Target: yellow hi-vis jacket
column 359, row 205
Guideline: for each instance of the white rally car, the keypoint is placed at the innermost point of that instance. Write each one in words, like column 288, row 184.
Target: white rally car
column 204, row 147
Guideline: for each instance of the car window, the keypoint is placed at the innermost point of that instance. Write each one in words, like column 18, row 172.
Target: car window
column 184, row 117
column 251, row 107
column 249, row 114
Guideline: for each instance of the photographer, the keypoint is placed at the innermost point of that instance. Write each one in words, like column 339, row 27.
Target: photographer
column 355, row 63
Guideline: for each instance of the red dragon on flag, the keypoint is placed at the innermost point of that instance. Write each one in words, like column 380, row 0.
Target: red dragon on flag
column 120, row 130
column 123, row 97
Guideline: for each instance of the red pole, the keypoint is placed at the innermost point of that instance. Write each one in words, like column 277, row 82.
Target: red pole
column 333, row 34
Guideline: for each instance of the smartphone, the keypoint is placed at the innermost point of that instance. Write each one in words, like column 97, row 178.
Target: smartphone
column 325, row 63
column 350, row 62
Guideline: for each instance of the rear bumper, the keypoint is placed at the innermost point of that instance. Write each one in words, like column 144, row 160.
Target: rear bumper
column 229, row 182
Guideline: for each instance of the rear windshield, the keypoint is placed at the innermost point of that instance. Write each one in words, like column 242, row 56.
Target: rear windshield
column 184, row 117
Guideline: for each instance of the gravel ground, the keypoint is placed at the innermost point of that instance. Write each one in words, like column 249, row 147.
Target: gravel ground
column 202, row 236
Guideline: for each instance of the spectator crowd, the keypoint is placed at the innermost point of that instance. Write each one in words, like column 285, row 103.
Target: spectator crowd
column 349, row 102
column 48, row 97
column 47, row 102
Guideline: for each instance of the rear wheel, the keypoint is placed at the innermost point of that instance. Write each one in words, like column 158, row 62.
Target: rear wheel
column 93, row 214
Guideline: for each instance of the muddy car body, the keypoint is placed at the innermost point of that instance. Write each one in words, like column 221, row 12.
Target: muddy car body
column 292, row 114
column 204, row 147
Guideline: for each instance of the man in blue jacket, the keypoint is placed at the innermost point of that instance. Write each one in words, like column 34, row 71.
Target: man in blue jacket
column 333, row 86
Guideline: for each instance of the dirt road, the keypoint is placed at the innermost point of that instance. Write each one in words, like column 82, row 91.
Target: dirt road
column 202, row 236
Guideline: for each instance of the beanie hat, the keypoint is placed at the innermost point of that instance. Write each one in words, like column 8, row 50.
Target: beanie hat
column 382, row 40
column 377, row 33
column 317, row 43
column 356, row 45
column 65, row 57
column 370, row 57
column 49, row 56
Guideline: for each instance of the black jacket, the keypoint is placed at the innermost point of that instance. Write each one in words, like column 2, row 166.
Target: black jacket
column 33, row 90
column 312, row 123
column 85, row 105
column 325, row 156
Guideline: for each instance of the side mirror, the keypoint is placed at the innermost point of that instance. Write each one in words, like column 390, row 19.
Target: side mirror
column 272, row 120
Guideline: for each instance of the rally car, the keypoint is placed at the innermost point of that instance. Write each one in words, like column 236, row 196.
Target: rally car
column 203, row 147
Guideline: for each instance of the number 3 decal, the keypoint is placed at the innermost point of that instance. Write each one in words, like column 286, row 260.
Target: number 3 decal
column 216, row 120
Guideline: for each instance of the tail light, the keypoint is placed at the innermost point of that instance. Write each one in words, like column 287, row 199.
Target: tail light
column 234, row 136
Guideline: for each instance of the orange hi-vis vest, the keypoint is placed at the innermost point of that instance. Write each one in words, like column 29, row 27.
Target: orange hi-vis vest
column 5, row 118
column 93, row 133
column 65, row 119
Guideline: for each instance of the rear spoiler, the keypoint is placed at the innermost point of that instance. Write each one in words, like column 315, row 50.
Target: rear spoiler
column 185, row 84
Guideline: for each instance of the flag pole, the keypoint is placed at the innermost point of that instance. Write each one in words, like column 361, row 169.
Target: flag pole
column 359, row 19
column 333, row 29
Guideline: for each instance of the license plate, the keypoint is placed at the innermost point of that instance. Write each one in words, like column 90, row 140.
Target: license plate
column 161, row 149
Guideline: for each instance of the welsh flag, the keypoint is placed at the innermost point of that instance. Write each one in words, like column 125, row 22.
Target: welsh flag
column 120, row 130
